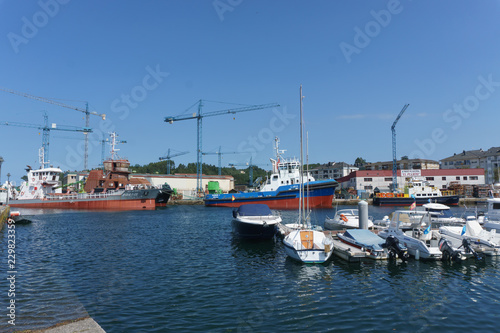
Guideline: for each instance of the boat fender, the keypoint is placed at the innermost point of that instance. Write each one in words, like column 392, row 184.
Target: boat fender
column 343, row 217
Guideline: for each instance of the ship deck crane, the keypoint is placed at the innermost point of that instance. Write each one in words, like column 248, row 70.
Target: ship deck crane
column 219, row 153
column 169, row 156
column 394, row 158
column 199, row 117
column 51, row 101
column 46, row 133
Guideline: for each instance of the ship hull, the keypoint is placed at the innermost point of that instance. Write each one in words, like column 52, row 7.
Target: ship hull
column 319, row 195
column 449, row 200
column 129, row 200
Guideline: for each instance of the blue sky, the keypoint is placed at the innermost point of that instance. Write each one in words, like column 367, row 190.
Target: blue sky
column 359, row 63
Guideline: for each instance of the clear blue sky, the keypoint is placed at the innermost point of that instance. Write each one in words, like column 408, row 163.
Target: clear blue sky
column 359, row 63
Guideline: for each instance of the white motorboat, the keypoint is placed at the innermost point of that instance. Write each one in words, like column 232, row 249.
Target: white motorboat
column 482, row 241
column 492, row 219
column 417, row 237
column 345, row 219
column 306, row 245
column 441, row 214
column 255, row 221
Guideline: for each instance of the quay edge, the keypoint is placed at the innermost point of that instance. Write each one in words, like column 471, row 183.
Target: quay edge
column 4, row 215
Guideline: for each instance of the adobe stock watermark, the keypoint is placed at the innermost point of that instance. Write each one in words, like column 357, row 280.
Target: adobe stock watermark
column 223, row 6
column 121, row 107
column 363, row 37
column 31, row 26
column 266, row 135
column 455, row 116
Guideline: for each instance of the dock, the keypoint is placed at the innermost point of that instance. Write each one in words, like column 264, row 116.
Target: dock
column 4, row 215
column 85, row 324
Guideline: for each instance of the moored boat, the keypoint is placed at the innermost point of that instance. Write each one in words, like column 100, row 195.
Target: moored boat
column 281, row 190
column 365, row 240
column 345, row 219
column 416, row 190
column 255, row 221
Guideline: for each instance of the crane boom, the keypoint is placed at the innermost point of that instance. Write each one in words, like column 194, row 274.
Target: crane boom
column 169, row 156
column 199, row 117
column 394, row 158
column 51, row 101
column 46, row 132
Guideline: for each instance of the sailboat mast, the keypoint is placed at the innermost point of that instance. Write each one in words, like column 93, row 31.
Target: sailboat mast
column 301, row 168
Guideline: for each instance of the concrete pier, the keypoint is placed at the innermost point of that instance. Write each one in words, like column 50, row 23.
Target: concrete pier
column 83, row 325
column 4, row 214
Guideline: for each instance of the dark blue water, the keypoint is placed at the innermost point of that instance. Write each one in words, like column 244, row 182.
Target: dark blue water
column 180, row 269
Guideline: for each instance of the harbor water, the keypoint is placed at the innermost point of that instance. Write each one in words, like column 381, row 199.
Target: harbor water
column 180, row 269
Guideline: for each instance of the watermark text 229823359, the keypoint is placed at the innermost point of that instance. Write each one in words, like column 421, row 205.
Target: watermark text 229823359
column 30, row 27
column 11, row 271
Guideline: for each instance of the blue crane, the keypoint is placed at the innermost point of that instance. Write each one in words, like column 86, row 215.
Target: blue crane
column 51, row 101
column 394, row 159
column 220, row 157
column 199, row 117
column 46, row 132
column 250, row 166
column 169, row 156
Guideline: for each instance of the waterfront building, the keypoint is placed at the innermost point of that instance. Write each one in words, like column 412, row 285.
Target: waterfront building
column 404, row 164
column 489, row 160
column 185, row 184
column 367, row 180
column 332, row 170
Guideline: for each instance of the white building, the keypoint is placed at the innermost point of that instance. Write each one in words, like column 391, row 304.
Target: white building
column 186, row 183
column 332, row 170
column 368, row 180
column 488, row 160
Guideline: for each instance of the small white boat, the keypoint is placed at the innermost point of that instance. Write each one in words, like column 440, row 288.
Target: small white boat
column 308, row 246
column 492, row 220
column 482, row 241
column 255, row 221
column 418, row 238
column 441, row 214
column 345, row 219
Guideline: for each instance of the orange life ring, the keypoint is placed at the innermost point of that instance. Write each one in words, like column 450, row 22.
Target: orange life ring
column 389, row 195
column 44, row 178
column 22, row 193
column 32, row 192
column 343, row 217
column 32, row 179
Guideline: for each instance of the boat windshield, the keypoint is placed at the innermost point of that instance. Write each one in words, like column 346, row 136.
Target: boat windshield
column 440, row 212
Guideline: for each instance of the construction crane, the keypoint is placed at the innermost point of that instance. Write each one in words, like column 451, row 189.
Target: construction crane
column 46, row 133
column 250, row 166
column 394, row 158
column 220, row 157
column 51, row 101
column 199, row 117
column 168, row 158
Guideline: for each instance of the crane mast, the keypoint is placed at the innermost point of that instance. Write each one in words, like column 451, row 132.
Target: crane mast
column 199, row 117
column 394, row 158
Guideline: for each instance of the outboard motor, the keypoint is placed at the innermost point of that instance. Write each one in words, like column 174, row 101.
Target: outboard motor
column 448, row 252
column 395, row 249
column 469, row 249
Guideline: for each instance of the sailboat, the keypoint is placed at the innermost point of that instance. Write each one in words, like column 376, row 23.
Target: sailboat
column 306, row 244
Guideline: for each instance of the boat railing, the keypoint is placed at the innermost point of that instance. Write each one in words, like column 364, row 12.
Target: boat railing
column 79, row 196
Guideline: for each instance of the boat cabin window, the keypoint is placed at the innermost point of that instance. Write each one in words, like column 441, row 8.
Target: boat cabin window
column 496, row 205
column 275, row 177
